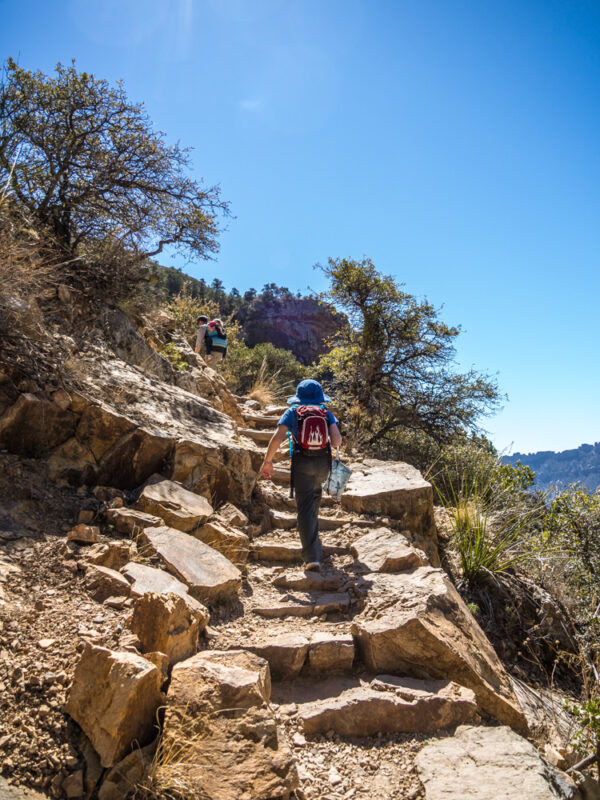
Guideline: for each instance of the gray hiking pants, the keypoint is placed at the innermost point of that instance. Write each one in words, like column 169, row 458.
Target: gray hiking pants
column 309, row 474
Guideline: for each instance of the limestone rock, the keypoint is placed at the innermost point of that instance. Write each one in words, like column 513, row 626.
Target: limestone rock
column 208, row 575
column 112, row 554
column 233, row 544
column 230, row 515
column 217, row 703
column 114, row 698
column 103, row 582
column 384, row 550
column 391, row 705
column 164, row 622
column 122, row 780
column 84, row 534
column 33, row 427
column 392, row 488
column 178, row 507
column 130, row 521
column 100, row 428
column 416, row 623
column 286, row 654
column 488, row 764
column 216, row 680
column 149, row 579
column 331, row 652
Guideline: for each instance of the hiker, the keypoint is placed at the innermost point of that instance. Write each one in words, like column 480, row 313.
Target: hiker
column 202, row 323
column 216, row 342
column 313, row 430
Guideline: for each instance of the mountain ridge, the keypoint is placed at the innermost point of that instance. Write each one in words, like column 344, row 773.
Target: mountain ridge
column 578, row 465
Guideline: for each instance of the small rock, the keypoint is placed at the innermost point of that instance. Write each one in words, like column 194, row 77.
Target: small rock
column 85, row 534
column 44, row 644
column 334, row 777
column 298, row 740
column 85, row 516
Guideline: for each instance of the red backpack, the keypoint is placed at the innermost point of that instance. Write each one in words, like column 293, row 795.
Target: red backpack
column 313, row 430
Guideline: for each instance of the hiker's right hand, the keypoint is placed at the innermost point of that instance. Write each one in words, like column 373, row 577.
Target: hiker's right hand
column 267, row 470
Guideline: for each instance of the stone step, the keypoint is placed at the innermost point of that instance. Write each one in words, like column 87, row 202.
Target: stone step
column 287, row 521
column 264, row 420
column 311, row 581
column 353, row 706
column 281, row 475
column 289, row 654
column 305, row 604
column 258, row 436
column 288, row 552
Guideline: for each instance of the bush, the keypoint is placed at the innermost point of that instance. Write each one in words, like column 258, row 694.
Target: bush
column 243, row 365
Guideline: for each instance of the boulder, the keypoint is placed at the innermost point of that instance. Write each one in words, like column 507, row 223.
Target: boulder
column 100, row 427
column 227, row 741
column 394, row 489
column 391, row 705
column 416, row 623
column 178, row 507
column 208, row 575
column 130, row 521
column 233, row 544
column 166, row 623
column 286, row 653
column 384, row 550
column 114, row 698
column 331, row 652
column 103, row 582
column 230, row 515
column 489, row 764
column 84, row 534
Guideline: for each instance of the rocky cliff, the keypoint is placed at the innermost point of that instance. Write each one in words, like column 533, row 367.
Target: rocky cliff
column 300, row 324
column 157, row 629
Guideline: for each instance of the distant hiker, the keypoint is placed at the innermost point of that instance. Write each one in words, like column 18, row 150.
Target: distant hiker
column 202, row 323
column 216, row 342
column 313, row 430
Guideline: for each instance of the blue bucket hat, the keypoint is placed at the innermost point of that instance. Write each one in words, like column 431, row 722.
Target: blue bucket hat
column 310, row 393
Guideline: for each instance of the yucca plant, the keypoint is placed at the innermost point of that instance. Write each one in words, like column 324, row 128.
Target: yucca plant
column 490, row 527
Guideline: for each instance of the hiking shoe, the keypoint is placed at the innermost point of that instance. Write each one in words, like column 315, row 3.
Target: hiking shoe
column 312, row 566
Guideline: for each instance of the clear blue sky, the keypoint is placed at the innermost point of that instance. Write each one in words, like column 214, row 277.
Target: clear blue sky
column 457, row 144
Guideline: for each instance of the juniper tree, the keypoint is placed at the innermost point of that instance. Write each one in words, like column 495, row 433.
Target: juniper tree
column 393, row 368
column 89, row 167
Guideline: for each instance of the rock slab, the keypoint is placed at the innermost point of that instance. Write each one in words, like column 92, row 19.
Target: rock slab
column 208, row 575
column 233, row 544
column 114, row 698
column 178, row 507
column 415, row 623
column 391, row 705
column 394, row 489
column 489, row 764
column 384, row 550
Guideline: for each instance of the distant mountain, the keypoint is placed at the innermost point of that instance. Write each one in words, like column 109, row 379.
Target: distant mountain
column 581, row 465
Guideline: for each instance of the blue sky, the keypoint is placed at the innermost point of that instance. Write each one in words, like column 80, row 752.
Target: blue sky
column 457, row 144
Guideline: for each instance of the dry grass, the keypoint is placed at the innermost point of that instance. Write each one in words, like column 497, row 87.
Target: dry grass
column 267, row 389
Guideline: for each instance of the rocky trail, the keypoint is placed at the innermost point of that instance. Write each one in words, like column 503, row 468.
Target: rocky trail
column 159, row 636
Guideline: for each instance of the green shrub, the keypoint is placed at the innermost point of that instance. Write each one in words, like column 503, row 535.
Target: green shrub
column 243, row 366
column 174, row 355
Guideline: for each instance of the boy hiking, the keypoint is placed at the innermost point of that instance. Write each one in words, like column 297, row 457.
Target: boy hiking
column 313, row 430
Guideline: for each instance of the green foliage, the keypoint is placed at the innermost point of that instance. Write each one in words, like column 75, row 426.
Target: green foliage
column 493, row 519
column 185, row 310
column 174, row 355
column 587, row 735
column 392, row 368
column 88, row 166
column 572, row 526
column 243, row 365
column 519, row 476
